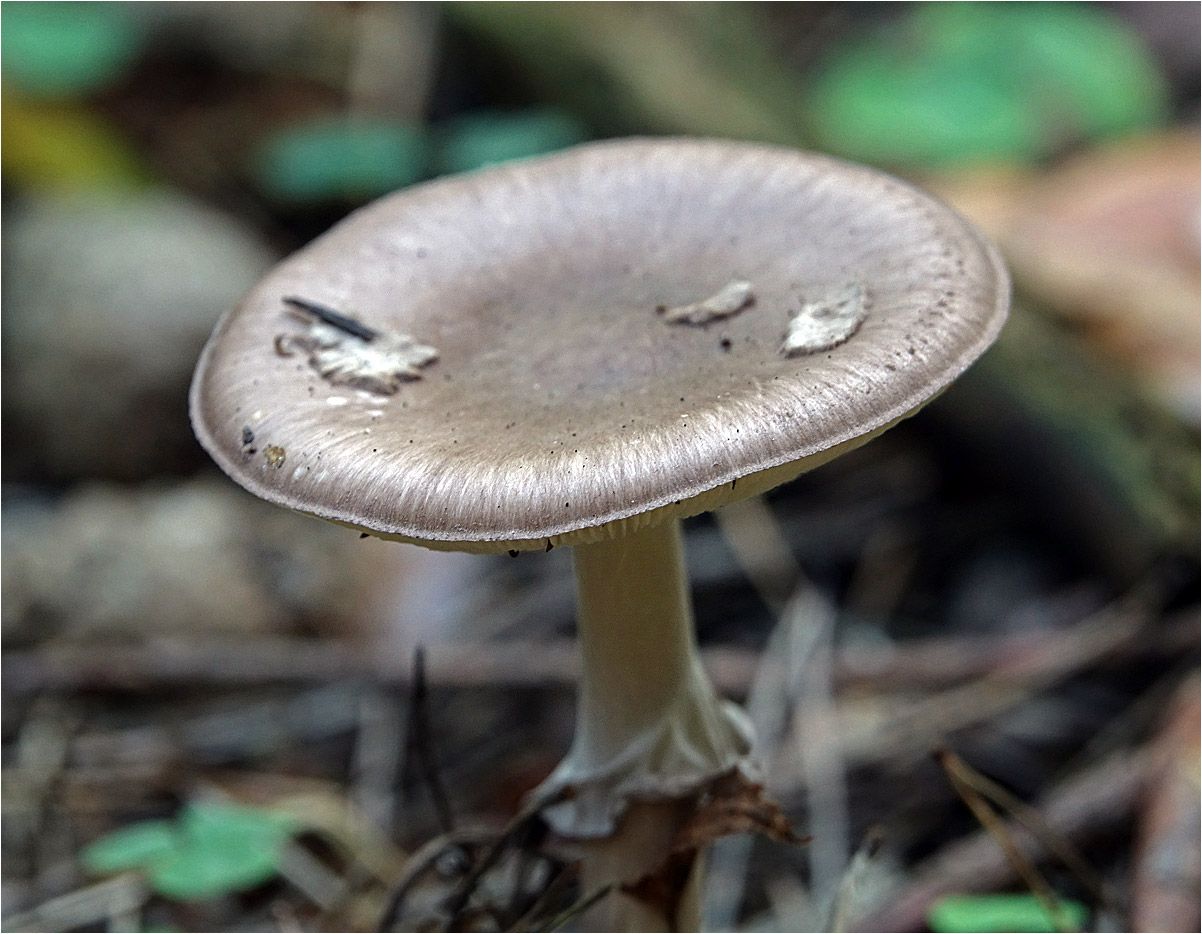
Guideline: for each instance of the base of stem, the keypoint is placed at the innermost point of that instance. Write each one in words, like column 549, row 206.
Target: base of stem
column 641, row 846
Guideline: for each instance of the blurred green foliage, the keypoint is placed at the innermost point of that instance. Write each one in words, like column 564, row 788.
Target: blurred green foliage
column 212, row 849
column 1001, row 913
column 940, row 84
column 961, row 82
column 66, row 49
column 488, row 137
column 134, row 847
column 333, row 159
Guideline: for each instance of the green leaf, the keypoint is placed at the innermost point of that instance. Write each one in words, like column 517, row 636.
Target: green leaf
column 211, row 870
column 334, row 160
column 490, row 137
column 63, row 49
column 209, row 819
column 226, row 848
column 212, row 850
column 1001, row 913
column 132, row 847
column 961, row 82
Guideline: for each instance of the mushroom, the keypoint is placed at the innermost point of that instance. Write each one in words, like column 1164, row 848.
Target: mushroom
column 563, row 410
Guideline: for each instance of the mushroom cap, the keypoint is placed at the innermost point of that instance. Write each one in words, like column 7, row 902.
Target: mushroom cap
column 562, row 408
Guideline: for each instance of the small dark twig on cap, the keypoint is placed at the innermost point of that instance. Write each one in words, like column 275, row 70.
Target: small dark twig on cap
column 335, row 319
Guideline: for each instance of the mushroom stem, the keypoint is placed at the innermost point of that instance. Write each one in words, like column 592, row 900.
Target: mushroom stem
column 651, row 732
column 635, row 624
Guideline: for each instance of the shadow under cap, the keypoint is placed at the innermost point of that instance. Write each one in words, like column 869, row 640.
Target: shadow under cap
column 562, row 408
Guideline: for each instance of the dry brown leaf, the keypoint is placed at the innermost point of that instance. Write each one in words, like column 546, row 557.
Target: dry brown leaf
column 731, row 805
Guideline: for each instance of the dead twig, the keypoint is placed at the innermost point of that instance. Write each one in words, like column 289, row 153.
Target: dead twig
column 773, row 694
column 1085, row 804
column 520, row 824
column 381, row 737
column 753, row 533
column 925, row 664
column 989, row 819
column 421, row 862
column 906, row 730
column 422, row 744
column 554, row 887
column 821, row 763
column 535, row 873
column 1165, row 876
column 843, row 905
column 123, row 895
column 559, row 920
column 1060, row 847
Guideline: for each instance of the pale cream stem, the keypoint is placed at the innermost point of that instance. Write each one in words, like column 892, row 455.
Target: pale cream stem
column 651, row 730
column 635, row 625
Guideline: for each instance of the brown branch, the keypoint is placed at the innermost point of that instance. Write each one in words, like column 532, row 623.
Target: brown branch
column 1020, row 862
column 162, row 666
column 1088, row 803
column 519, row 824
column 1063, row 849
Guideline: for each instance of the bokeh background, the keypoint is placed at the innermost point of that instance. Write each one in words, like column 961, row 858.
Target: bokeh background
column 214, row 717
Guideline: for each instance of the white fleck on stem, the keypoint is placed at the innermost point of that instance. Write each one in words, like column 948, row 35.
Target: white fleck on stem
column 651, row 730
column 727, row 301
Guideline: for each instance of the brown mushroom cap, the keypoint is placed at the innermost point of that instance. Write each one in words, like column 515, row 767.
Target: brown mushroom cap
column 562, row 408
